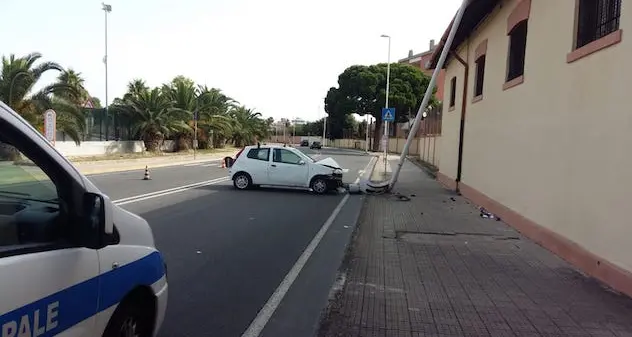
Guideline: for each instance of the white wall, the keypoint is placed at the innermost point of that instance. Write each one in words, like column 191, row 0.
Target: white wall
column 97, row 148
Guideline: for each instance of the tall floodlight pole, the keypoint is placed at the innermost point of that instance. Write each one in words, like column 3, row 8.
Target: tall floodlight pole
column 424, row 103
column 106, row 9
column 388, row 84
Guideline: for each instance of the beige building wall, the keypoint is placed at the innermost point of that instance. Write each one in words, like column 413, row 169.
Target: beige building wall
column 449, row 147
column 556, row 149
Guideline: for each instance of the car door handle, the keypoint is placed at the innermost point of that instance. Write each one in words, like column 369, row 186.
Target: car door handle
column 273, row 165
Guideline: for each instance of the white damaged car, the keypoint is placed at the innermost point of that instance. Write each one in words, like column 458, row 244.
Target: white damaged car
column 279, row 166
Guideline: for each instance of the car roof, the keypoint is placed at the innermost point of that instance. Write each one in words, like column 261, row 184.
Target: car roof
column 269, row 146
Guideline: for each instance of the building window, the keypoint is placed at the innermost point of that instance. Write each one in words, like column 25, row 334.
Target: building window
column 517, row 49
column 596, row 19
column 480, row 76
column 452, row 92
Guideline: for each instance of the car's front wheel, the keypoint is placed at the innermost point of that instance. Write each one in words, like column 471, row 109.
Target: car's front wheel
column 319, row 185
column 242, row 181
column 129, row 320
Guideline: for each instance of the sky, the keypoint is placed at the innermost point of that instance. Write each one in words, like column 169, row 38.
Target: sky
column 278, row 57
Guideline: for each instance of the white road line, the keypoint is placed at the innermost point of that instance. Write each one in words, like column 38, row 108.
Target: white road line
column 194, row 164
column 257, row 325
column 168, row 191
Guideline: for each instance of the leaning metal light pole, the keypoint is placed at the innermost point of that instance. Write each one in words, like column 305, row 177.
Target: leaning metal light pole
column 386, row 135
column 444, row 53
column 106, row 9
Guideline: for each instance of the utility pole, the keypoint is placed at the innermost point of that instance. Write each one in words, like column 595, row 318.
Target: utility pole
column 106, row 9
column 324, row 128
column 388, row 82
column 366, row 141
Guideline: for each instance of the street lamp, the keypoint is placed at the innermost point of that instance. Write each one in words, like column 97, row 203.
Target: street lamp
column 106, row 9
column 388, row 83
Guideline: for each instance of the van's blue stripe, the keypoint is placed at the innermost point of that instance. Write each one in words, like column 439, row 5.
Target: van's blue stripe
column 89, row 297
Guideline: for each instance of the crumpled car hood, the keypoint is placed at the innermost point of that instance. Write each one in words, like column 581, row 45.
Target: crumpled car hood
column 329, row 162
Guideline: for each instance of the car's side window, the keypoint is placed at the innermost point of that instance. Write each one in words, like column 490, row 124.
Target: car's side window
column 285, row 156
column 259, row 154
column 29, row 203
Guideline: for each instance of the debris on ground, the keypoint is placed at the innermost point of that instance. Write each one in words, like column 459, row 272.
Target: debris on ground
column 485, row 214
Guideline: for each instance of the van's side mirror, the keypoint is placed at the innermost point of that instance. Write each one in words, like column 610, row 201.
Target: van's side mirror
column 301, row 162
column 97, row 224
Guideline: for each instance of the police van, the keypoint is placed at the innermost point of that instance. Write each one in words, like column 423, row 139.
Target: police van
column 71, row 262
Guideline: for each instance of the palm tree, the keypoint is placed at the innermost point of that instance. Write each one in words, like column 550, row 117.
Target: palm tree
column 214, row 119
column 73, row 123
column 135, row 87
column 155, row 117
column 184, row 96
column 18, row 77
column 248, row 128
column 74, row 80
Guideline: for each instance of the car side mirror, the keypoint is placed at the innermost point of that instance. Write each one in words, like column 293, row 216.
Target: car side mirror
column 301, row 162
column 97, row 224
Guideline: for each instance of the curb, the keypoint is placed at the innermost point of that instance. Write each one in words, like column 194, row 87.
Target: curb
column 423, row 167
column 368, row 173
column 340, row 281
column 139, row 166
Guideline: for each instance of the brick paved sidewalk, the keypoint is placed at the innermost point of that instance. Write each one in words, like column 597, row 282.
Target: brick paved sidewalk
column 432, row 266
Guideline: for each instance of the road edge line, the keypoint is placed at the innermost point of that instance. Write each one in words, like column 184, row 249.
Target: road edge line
column 263, row 316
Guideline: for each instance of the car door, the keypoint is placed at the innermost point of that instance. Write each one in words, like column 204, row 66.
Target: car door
column 49, row 286
column 258, row 161
column 287, row 169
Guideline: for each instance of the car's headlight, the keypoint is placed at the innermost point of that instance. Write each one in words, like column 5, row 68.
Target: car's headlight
column 337, row 171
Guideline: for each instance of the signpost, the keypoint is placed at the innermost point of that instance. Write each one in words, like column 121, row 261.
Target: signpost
column 388, row 115
column 50, row 125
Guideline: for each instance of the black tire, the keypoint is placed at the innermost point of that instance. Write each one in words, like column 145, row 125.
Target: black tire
column 130, row 318
column 242, row 181
column 319, row 185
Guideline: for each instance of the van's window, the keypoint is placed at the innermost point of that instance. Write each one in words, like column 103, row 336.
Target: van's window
column 29, row 204
column 259, row 154
column 285, row 156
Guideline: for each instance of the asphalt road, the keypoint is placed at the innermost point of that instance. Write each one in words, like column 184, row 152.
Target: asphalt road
column 228, row 251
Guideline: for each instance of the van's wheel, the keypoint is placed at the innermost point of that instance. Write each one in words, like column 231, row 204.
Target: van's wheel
column 319, row 185
column 129, row 320
column 242, row 181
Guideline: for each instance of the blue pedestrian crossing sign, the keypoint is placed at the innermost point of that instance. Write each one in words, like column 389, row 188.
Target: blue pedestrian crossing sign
column 388, row 114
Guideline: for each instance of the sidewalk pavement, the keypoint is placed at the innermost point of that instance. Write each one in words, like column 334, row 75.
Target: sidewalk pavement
column 116, row 165
column 432, row 266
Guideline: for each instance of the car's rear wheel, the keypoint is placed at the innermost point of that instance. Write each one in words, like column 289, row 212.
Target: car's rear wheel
column 242, row 181
column 319, row 185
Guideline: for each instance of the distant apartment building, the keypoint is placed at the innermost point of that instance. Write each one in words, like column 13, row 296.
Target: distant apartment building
column 432, row 124
column 537, row 124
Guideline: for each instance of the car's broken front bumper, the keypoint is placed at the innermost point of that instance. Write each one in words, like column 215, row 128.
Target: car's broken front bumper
column 334, row 181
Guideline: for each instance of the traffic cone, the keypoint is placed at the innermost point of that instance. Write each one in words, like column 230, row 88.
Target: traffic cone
column 146, row 177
